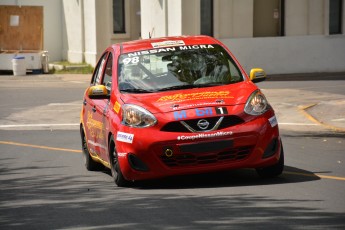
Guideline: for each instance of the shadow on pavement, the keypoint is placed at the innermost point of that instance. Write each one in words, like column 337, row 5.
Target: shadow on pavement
column 234, row 178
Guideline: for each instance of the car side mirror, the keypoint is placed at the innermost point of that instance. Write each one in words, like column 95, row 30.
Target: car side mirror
column 257, row 75
column 98, row 92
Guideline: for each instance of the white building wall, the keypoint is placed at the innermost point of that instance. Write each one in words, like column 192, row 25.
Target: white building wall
column 295, row 54
column 89, row 32
column 175, row 18
column 52, row 23
column 73, row 39
column 162, row 18
column 306, row 47
column 154, row 18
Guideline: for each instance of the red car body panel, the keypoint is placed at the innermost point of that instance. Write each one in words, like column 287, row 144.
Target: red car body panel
column 166, row 151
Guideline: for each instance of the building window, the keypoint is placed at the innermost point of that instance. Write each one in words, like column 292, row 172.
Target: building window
column 206, row 17
column 335, row 16
column 119, row 16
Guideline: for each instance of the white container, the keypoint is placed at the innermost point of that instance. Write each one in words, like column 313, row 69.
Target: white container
column 19, row 66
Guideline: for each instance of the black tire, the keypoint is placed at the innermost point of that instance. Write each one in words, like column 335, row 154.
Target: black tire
column 274, row 170
column 115, row 168
column 89, row 163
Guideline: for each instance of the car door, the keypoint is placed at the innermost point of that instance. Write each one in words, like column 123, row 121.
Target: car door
column 95, row 109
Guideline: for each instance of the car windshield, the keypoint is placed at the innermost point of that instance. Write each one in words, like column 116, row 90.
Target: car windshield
column 176, row 68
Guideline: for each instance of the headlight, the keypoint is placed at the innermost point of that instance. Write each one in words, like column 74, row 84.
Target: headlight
column 257, row 104
column 136, row 116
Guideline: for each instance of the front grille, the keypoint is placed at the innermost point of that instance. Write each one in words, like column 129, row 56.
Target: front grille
column 194, row 159
column 176, row 126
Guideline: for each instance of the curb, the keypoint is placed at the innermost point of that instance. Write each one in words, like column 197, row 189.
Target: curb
column 306, row 76
column 303, row 110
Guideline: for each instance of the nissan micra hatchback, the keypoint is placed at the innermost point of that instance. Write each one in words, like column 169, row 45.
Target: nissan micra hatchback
column 175, row 106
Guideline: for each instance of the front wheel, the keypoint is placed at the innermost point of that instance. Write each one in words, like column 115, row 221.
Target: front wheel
column 274, row 170
column 116, row 172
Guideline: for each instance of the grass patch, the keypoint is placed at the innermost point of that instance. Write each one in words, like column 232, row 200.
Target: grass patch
column 65, row 67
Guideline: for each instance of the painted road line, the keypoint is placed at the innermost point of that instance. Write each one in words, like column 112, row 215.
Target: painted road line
column 39, row 146
column 65, row 104
column 37, row 125
column 296, row 124
column 315, row 175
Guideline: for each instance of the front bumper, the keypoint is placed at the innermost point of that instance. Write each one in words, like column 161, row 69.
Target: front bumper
column 155, row 154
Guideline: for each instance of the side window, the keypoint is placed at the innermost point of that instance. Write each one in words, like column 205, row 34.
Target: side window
column 97, row 75
column 108, row 73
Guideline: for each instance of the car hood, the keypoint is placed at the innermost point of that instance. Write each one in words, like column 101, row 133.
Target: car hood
column 163, row 102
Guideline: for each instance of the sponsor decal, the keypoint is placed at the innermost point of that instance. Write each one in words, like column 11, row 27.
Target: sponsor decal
column 200, row 112
column 162, row 49
column 273, row 121
column 96, row 145
column 167, row 44
column 195, row 96
column 180, row 115
column 125, row 137
column 117, row 107
column 121, row 154
column 198, row 105
column 196, row 47
column 95, row 127
column 203, row 112
column 204, row 136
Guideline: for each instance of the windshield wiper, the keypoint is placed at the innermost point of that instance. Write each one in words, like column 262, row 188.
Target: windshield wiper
column 176, row 87
column 208, row 84
column 136, row 91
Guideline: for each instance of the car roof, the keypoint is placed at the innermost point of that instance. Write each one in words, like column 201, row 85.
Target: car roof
column 164, row 42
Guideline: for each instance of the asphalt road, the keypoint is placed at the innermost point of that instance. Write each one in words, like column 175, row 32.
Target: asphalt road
column 44, row 184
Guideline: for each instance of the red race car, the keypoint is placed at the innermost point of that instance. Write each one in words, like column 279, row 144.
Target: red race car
column 174, row 106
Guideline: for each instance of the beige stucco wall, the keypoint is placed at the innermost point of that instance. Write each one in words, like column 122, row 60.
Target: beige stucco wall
column 233, row 18
column 190, row 17
column 305, row 17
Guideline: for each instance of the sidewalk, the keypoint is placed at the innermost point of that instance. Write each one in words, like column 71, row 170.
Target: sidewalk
column 330, row 114
column 313, row 111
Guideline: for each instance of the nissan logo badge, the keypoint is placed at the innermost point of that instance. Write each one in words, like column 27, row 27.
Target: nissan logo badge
column 203, row 124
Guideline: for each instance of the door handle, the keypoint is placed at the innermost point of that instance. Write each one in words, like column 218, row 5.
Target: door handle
column 94, row 109
column 84, row 102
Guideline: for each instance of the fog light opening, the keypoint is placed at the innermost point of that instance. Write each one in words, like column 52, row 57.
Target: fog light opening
column 271, row 148
column 136, row 163
column 168, row 153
